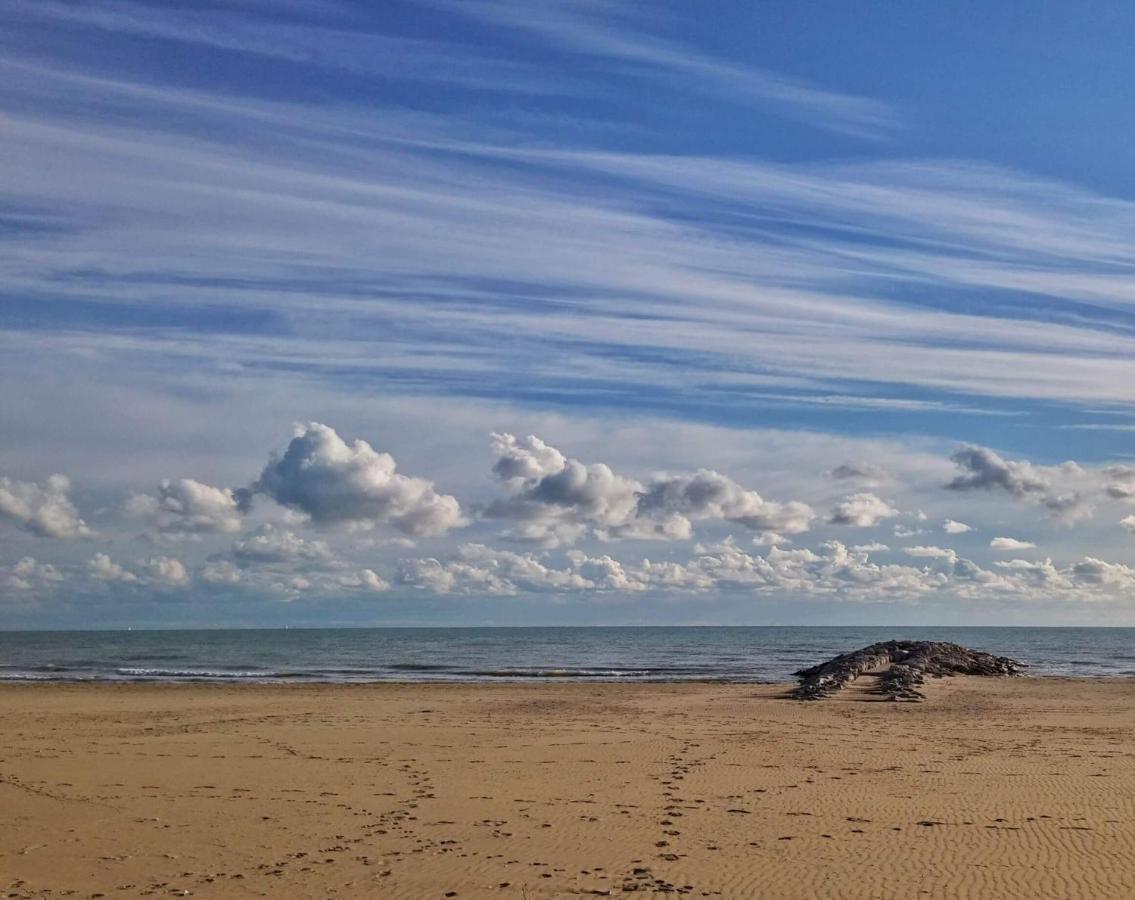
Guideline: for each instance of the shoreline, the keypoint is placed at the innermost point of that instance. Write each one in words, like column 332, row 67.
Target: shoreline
column 1006, row 787
column 504, row 681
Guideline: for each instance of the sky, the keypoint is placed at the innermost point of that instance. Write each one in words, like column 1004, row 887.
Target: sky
column 329, row 312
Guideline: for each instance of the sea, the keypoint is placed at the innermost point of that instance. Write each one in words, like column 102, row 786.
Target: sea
column 360, row 655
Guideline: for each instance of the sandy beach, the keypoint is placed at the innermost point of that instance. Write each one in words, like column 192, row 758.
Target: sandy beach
column 993, row 788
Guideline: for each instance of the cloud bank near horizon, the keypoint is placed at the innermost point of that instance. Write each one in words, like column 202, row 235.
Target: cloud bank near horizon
column 335, row 517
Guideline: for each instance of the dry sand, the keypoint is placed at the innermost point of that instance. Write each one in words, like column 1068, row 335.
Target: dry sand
column 993, row 789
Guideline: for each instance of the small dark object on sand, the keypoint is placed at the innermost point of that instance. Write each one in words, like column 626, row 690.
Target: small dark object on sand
column 902, row 667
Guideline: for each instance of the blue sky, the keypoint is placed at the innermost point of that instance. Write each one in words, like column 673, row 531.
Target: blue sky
column 764, row 241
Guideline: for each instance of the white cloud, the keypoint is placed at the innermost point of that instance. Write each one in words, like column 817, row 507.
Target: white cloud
column 905, row 531
column 1008, row 543
column 364, row 580
column 1034, row 574
column 862, row 511
column 270, row 544
column 706, row 494
column 1121, row 482
column 1128, row 523
column 165, row 570
column 1051, row 486
column 372, row 543
column 951, row 526
column 220, row 572
column 43, row 510
column 334, row 482
column 1097, row 572
column 930, row 552
column 1069, row 508
column 555, row 500
column 280, row 579
column 526, row 459
column 28, row 574
column 831, row 570
column 983, row 469
column 103, row 568
column 479, row 568
column 188, row 508
column 160, row 570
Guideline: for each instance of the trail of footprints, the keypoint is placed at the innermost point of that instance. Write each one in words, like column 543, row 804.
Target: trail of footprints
column 673, row 808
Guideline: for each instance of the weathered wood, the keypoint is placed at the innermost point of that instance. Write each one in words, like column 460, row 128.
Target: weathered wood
column 904, row 667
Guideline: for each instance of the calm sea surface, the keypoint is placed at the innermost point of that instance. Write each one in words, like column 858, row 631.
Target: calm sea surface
column 498, row 654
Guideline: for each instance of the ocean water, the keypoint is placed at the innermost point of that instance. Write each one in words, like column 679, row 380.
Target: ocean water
column 500, row 654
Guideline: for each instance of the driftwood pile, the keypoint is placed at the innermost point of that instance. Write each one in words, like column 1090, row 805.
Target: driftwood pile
column 902, row 668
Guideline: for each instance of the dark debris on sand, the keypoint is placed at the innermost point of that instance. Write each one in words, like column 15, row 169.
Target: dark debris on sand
column 902, row 668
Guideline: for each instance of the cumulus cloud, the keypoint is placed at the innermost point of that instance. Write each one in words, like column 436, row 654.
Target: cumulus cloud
column 269, row 544
column 905, row 531
column 983, row 469
column 166, row 571
column 29, row 574
column 333, row 483
column 276, row 560
column 188, row 508
column 930, row 552
column 707, row 494
column 831, row 570
column 1069, row 508
column 1120, row 482
column 524, row 459
column 160, row 570
column 478, row 568
column 554, row 500
column 1008, row 543
column 862, row 511
column 282, row 582
column 220, row 572
column 103, row 568
column 43, row 510
column 1104, row 574
column 372, row 543
column 1033, row 574
column 363, row 580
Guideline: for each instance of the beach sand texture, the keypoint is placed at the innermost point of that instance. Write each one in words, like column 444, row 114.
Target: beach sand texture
column 994, row 788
